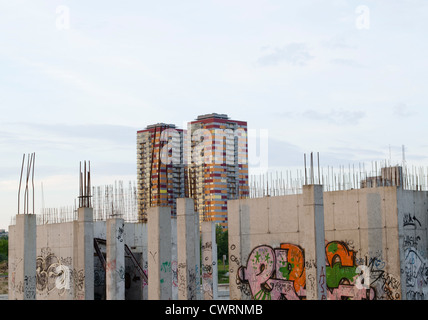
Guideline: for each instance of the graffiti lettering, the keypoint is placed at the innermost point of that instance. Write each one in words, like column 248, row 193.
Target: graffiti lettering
column 408, row 220
column 416, row 274
column 279, row 274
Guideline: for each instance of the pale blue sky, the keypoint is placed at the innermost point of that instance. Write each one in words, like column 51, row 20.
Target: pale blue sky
column 307, row 71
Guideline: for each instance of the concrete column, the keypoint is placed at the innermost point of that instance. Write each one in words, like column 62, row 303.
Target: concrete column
column 209, row 261
column 159, row 249
column 83, row 273
column 174, row 258
column 115, row 260
column 312, row 229
column 22, row 261
column 186, row 249
column 197, row 254
column 145, row 259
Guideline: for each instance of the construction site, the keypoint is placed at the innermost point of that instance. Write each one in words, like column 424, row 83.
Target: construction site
column 321, row 235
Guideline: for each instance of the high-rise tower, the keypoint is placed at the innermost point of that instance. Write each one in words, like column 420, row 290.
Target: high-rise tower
column 160, row 167
column 217, row 164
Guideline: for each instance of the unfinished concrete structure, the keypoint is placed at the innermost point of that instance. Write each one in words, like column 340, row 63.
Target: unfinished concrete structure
column 375, row 245
column 74, row 257
column 365, row 243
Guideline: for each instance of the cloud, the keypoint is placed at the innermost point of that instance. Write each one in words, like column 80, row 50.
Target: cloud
column 59, row 148
column 283, row 154
column 337, row 42
column 346, row 62
column 296, row 54
column 402, row 110
column 338, row 117
column 62, row 134
column 334, row 116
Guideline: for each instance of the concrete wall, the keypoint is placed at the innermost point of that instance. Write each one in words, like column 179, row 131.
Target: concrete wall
column 412, row 226
column 57, row 273
column 57, row 278
column 362, row 224
column 375, row 246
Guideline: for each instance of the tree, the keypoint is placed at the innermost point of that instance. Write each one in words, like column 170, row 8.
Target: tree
column 3, row 249
column 222, row 239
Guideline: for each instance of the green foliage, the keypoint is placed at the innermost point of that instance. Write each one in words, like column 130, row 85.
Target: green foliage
column 223, row 272
column 3, row 249
column 222, row 239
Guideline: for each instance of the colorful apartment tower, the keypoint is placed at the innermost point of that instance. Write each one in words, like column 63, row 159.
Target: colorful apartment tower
column 218, row 170
column 160, row 168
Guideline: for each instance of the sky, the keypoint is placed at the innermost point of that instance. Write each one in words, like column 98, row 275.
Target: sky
column 78, row 78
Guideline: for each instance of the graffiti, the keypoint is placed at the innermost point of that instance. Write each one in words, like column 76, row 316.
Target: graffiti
column 341, row 265
column 146, row 268
column 280, row 274
column 344, row 277
column 120, row 231
column 29, row 284
column 416, row 274
column 408, row 220
column 153, row 254
column 121, row 273
column 52, row 273
column 387, row 286
column 271, row 274
column 321, row 283
column 187, row 282
column 207, row 246
column 415, row 268
column 62, row 281
column 293, row 265
column 174, row 274
column 165, row 266
column 411, row 241
column 79, row 283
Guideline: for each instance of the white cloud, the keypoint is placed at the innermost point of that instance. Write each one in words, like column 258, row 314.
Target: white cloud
column 296, row 54
column 403, row 110
column 317, row 83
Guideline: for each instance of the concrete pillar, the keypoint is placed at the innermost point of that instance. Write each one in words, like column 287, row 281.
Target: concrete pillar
column 115, row 259
column 83, row 273
column 186, row 249
column 197, row 255
column 145, row 259
column 22, row 263
column 209, row 261
column 312, row 229
column 174, row 258
column 159, row 249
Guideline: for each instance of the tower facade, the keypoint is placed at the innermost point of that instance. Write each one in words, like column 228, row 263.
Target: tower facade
column 218, row 164
column 160, row 168
column 208, row 162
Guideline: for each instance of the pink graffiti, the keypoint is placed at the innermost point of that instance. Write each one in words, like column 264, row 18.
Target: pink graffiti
column 272, row 275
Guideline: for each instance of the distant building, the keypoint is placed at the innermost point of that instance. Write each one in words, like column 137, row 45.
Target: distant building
column 208, row 162
column 160, row 171
column 222, row 173
column 389, row 176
